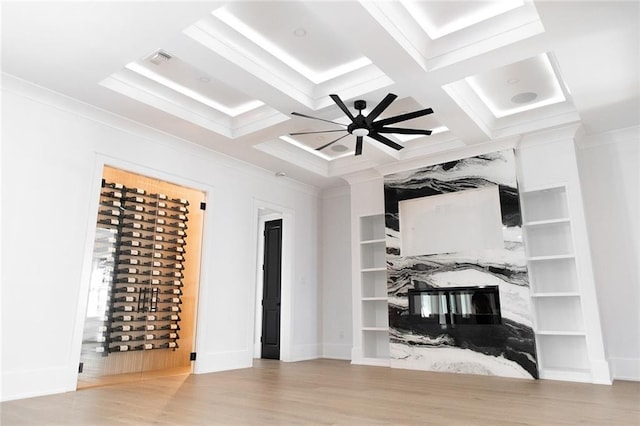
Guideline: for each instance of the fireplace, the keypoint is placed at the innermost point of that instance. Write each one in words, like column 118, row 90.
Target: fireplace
column 453, row 306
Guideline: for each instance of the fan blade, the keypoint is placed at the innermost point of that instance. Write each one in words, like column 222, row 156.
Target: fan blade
column 320, row 131
column 388, row 142
column 400, row 131
column 381, row 107
column 342, row 106
column 333, row 141
column 403, row 117
column 316, row 118
column 359, row 145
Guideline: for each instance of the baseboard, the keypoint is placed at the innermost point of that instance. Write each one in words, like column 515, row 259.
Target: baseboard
column 32, row 383
column 332, row 351
column 305, row 352
column 625, row 368
column 222, row 361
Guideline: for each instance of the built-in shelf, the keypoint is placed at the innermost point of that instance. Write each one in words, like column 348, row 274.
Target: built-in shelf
column 559, row 324
column 373, row 324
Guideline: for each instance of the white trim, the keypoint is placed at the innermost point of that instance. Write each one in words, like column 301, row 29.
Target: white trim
column 625, row 368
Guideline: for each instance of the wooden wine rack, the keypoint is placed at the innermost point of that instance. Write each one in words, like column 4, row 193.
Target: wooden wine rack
column 143, row 245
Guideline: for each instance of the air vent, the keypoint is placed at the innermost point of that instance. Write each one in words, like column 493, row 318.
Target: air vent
column 159, row 57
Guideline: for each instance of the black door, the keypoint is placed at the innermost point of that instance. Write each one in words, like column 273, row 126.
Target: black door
column 271, row 289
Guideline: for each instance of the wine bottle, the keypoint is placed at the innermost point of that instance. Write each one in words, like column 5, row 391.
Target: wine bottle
column 178, row 232
column 172, row 317
column 132, row 234
column 177, row 241
column 128, row 271
column 124, row 328
column 159, row 238
column 172, row 309
column 175, row 291
column 181, row 209
column 133, row 216
column 123, row 318
column 146, row 337
column 170, row 336
column 146, row 327
column 112, row 203
column 99, row 349
column 111, row 212
column 156, row 273
column 153, row 281
column 160, row 221
column 137, row 191
column 172, row 345
column 113, row 194
column 145, row 346
column 173, row 300
column 109, row 221
column 130, row 261
column 176, row 274
column 128, row 280
column 181, row 201
column 122, row 338
column 135, row 199
column 130, row 252
column 125, row 308
column 176, row 257
column 176, row 265
column 126, row 289
column 161, row 196
column 170, row 327
column 120, row 348
column 177, row 283
column 158, row 247
column 125, row 299
column 114, row 185
column 156, row 264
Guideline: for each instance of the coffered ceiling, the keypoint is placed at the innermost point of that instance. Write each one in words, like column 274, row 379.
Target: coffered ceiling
column 227, row 75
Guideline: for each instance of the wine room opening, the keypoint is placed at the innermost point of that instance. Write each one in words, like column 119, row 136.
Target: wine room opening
column 141, row 310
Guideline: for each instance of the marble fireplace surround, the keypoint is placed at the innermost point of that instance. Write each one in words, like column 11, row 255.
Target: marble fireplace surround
column 474, row 256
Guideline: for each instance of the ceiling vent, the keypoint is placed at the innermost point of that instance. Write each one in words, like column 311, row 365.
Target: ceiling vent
column 159, row 57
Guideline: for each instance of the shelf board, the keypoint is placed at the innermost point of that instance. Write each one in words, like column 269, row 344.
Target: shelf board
column 556, row 294
column 547, row 221
column 376, row 241
column 376, row 269
column 375, row 328
column 374, row 298
column 560, row 333
column 551, row 257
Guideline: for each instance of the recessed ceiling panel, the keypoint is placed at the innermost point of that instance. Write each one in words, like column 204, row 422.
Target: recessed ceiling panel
column 521, row 86
column 293, row 35
column 439, row 18
column 170, row 71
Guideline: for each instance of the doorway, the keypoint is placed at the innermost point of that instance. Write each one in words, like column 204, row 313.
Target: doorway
column 271, row 290
column 141, row 310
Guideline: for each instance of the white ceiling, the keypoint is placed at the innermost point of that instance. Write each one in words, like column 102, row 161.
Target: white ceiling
column 227, row 75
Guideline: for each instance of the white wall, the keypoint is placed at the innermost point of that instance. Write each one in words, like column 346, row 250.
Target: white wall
column 337, row 336
column 608, row 166
column 53, row 150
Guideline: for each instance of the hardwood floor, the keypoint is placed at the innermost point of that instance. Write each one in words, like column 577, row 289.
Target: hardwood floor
column 333, row 392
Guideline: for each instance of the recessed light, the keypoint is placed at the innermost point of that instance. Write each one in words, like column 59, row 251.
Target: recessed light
column 299, row 32
column 339, row 148
column 513, row 80
column 159, row 57
column 524, row 97
column 280, row 174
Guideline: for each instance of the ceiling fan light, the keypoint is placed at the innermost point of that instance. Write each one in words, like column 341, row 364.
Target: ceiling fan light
column 360, row 132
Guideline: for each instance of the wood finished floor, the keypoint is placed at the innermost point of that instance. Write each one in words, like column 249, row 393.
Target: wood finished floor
column 333, row 392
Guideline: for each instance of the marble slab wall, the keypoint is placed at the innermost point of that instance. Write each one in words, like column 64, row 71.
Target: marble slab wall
column 506, row 349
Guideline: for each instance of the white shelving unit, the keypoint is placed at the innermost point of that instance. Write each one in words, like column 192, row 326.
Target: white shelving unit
column 374, row 321
column 561, row 336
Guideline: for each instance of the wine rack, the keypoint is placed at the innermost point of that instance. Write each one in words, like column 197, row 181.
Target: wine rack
column 146, row 246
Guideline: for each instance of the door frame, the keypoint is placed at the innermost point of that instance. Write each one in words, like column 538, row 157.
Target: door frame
column 208, row 239
column 265, row 212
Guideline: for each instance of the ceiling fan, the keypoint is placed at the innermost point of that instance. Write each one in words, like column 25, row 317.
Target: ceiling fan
column 362, row 126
